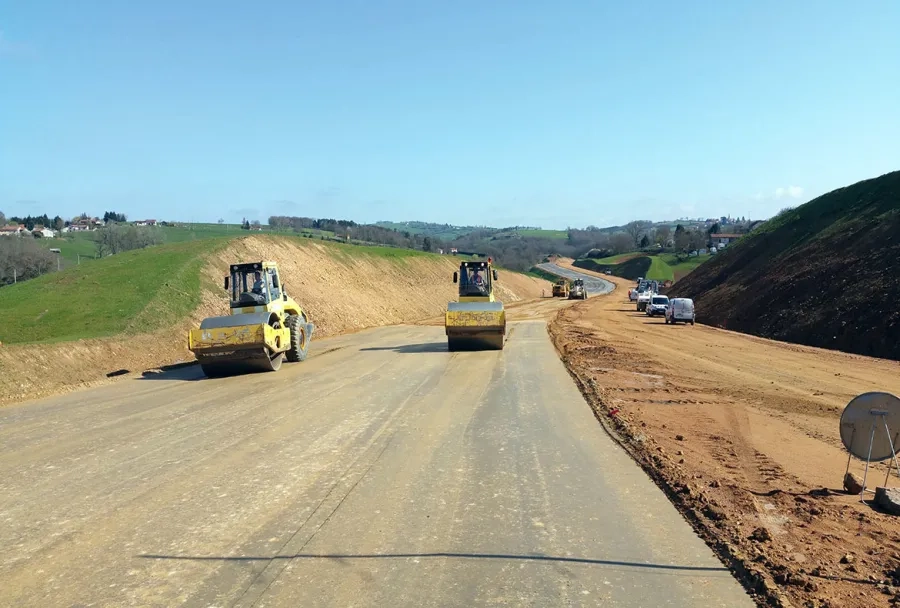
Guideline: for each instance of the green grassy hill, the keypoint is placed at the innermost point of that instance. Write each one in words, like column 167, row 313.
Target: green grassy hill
column 132, row 292
column 660, row 267
column 135, row 291
column 824, row 274
column 445, row 232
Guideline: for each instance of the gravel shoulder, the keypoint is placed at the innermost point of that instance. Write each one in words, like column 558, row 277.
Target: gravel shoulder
column 742, row 433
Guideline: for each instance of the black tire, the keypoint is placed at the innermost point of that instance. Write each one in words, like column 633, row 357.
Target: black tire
column 692, row 321
column 299, row 339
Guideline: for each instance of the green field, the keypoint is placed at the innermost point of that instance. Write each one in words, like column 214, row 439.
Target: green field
column 661, row 267
column 72, row 246
column 682, row 265
column 659, row 270
column 534, row 233
column 544, row 234
column 617, row 259
column 132, row 292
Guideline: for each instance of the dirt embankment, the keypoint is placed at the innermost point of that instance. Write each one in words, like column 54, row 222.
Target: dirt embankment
column 742, row 433
column 342, row 288
column 825, row 274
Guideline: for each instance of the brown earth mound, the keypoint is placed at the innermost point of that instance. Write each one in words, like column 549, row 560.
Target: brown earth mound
column 824, row 274
column 344, row 290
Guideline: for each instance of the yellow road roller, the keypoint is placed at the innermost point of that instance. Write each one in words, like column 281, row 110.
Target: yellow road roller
column 477, row 321
column 265, row 325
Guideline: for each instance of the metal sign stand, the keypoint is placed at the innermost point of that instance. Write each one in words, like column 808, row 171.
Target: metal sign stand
column 876, row 414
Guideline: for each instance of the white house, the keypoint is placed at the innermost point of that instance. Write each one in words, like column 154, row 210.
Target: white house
column 47, row 233
column 12, row 230
column 723, row 240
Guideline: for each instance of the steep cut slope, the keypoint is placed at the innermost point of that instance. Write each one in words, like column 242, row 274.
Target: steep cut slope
column 345, row 288
column 825, row 274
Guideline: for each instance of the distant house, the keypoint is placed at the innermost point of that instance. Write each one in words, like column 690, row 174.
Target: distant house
column 86, row 224
column 145, row 223
column 12, row 230
column 724, row 239
column 47, row 233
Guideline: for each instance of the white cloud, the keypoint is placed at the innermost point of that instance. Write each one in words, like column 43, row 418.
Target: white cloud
column 789, row 192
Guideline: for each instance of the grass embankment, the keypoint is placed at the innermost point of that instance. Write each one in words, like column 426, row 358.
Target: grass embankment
column 134, row 292
column 137, row 292
column 659, row 267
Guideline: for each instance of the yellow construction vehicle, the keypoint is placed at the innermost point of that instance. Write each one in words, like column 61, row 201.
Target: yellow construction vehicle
column 265, row 325
column 561, row 289
column 477, row 321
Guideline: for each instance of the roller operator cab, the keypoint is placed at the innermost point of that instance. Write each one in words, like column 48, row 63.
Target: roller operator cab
column 264, row 326
column 477, row 321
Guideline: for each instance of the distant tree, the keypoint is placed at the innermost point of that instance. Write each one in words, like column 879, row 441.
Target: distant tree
column 714, row 229
column 645, row 241
column 221, row 221
column 662, row 235
column 635, row 230
column 116, row 238
column 426, row 244
column 58, row 223
column 245, row 225
column 696, row 239
column 621, row 242
column 2, row 219
column 255, row 223
column 682, row 239
column 23, row 259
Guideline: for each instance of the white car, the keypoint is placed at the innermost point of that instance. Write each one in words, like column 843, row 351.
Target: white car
column 680, row 309
column 657, row 306
column 643, row 300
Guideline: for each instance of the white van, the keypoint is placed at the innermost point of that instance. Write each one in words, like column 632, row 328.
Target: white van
column 680, row 309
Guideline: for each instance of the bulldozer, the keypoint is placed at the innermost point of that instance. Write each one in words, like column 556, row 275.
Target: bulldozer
column 578, row 292
column 477, row 321
column 561, row 289
column 265, row 326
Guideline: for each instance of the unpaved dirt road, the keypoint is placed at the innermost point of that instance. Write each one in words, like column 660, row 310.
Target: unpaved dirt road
column 743, row 432
column 382, row 471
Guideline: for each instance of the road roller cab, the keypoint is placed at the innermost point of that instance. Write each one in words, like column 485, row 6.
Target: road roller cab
column 265, row 325
column 477, row 321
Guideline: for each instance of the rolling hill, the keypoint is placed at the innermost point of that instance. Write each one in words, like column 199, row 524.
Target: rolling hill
column 824, row 274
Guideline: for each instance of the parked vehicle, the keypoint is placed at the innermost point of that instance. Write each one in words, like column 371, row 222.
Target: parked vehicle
column 657, row 306
column 680, row 309
column 643, row 300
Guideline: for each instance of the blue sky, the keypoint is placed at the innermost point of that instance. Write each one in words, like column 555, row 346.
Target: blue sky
column 470, row 112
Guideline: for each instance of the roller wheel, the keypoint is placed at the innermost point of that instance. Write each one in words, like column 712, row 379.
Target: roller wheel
column 299, row 338
column 274, row 363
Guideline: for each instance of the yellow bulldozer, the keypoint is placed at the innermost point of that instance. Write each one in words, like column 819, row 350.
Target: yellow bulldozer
column 561, row 289
column 265, row 325
column 477, row 321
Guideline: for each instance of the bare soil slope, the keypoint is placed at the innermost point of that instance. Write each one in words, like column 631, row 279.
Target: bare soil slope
column 825, row 274
column 344, row 289
column 742, row 433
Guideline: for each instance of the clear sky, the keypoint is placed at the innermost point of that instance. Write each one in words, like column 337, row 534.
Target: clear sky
column 468, row 112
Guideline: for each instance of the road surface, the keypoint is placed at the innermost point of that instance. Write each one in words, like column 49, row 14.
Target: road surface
column 594, row 286
column 382, row 471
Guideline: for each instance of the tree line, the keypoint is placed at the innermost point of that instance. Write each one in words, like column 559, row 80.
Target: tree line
column 348, row 230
